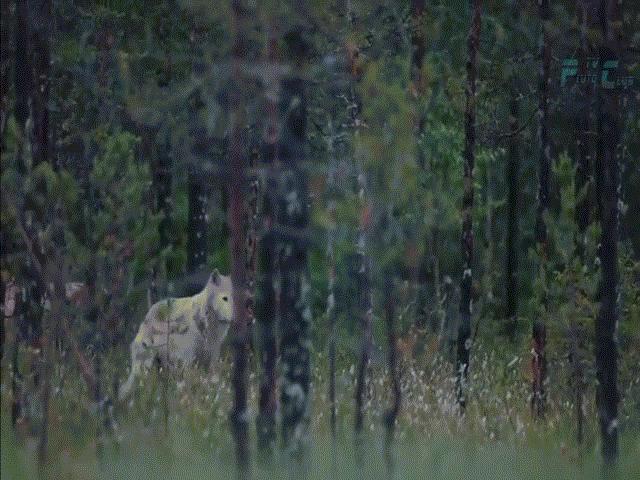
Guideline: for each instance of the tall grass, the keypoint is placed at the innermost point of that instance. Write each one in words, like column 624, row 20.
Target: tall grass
column 496, row 438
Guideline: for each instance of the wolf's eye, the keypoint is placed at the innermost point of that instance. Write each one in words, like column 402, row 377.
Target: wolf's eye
column 225, row 298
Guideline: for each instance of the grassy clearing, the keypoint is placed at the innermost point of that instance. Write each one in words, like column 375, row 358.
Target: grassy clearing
column 495, row 439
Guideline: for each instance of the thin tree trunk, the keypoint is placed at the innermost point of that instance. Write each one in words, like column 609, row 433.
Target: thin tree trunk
column 16, row 377
column 22, row 90
column 49, row 330
column 6, row 43
column 160, row 160
column 583, row 209
column 266, row 311
column 251, row 246
column 365, row 305
column 295, row 313
column 391, row 414
column 197, row 241
column 237, row 162
column 513, row 167
column 364, row 287
column 366, row 313
column 418, row 47
column 14, row 319
column 197, row 229
column 513, row 214
column 162, row 184
column 539, row 334
column 93, row 314
column 417, row 88
column 608, row 186
column 40, row 13
column 331, row 294
column 464, row 329
column 584, row 142
column 23, row 75
column 40, row 31
column 489, row 228
column 435, row 261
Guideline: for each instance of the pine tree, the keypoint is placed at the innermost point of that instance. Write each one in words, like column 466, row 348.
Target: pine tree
column 464, row 329
column 237, row 165
column 266, row 313
column 607, row 173
column 539, row 334
column 293, row 222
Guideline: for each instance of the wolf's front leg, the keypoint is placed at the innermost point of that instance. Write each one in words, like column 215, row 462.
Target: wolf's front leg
column 214, row 358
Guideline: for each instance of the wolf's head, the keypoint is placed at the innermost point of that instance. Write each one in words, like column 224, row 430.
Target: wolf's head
column 219, row 297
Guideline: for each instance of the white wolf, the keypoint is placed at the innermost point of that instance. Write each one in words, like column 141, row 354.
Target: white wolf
column 183, row 331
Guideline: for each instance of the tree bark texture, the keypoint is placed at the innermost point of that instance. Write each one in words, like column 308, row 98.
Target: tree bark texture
column 365, row 305
column 539, row 334
column 584, row 147
column 607, row 171
column 196, row 191
column 331, row 313
column 513, row 214
column 392, row 413
column 40, row 31
column 295, row 312
column 464, row 329
column 6, row 44
column 266, row 301
column 23, row 74
column 418, row 45
column 236, row 214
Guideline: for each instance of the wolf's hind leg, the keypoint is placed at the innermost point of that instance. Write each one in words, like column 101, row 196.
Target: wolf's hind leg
column 140, row 358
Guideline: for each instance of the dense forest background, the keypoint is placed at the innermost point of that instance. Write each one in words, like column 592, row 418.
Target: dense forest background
column 328, row 155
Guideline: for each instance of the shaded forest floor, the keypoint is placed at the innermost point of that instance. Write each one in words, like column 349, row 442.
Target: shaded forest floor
column 177, row 427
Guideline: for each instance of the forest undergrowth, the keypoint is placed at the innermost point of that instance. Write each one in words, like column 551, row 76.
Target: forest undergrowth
column 177, row 426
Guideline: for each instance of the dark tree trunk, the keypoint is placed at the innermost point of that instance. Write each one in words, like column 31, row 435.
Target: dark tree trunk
column 6, row 44
column 464, row 329
column 584, row 138
column 583, row 196
column 14, row 319
column 365, row 306
column 331, row 287
column 22, row 91
column 197, row 226
column 197, row 222
column 23, row 75
column 266, row 321
column 391, row 414
column 40, row 14
column 607, row 173
column 237, row 163
column 513, row 214
column 39, row 42
column 418, row 50
column 16, row 378
column 49, row 332
column 162, row 189
column 293, row 213
column 158, row 156
column 539, row 336
column 366, row 319
column 418, row 45
column 197, row 194
column 251, row 246
column 265, row 289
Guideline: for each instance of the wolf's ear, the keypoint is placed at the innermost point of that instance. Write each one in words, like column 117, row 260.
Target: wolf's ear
column 214, row 279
